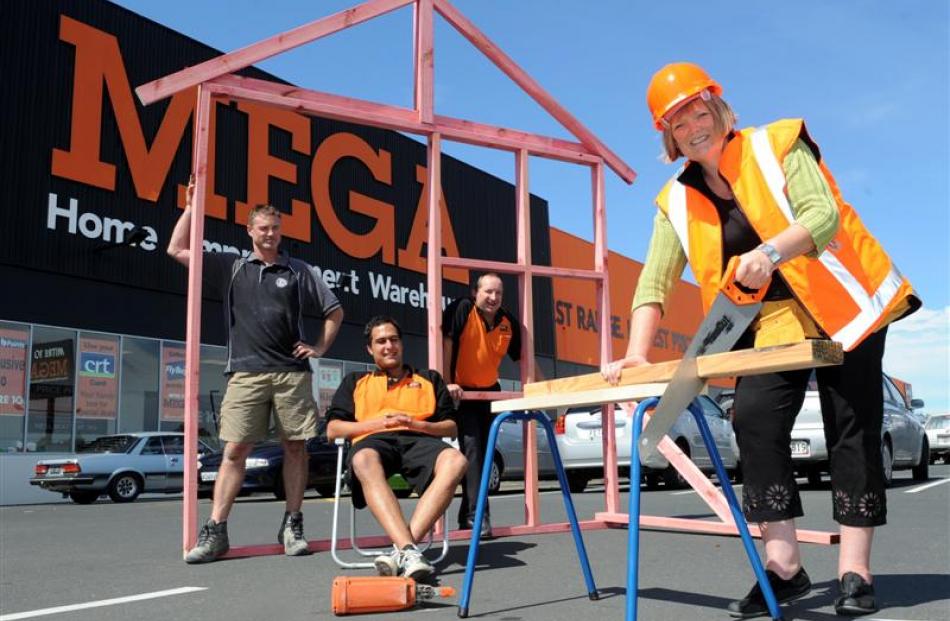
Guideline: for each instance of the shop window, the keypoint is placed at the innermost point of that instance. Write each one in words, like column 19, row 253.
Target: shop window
column 139, row 385
column 49, row 426
column 211, row 392
column 97, row 387
column 14, row 350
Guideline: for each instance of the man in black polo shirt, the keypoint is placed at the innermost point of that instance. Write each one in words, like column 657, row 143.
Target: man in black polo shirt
column 477, row 334
column 266, row 296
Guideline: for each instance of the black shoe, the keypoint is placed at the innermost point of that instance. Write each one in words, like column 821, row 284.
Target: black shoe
column 212, row 543
column 753, row 604
column 291, row 535
column 469, row 524
column 857, row 596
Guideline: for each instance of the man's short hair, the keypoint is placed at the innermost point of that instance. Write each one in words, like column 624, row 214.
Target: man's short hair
column 478, row 281
column 261, row 210
column 379, row 320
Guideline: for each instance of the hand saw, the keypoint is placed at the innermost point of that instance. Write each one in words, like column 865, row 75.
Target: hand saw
column 732, row 312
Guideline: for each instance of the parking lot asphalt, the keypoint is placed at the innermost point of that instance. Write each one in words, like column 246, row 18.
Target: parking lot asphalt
column 65, row 555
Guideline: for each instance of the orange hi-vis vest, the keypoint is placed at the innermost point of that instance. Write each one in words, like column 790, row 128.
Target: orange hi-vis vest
column 480, row 351
column 850, row 290
column 373, row 397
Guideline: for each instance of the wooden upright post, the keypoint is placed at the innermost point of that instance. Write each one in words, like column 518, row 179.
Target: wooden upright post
column 434, row 250
column 203, row 112
column 525, row 299
column 601, row 252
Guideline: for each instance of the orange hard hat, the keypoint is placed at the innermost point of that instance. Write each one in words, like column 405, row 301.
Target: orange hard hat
column 674, row 84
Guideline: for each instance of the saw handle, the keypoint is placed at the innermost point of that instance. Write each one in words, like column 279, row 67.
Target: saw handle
column 736, row 292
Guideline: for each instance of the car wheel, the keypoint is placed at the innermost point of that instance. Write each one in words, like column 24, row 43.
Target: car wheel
column 888, row 458
column 577, row 481
column 921, row 471
column 814, row 477
column 125, row 487
column 671, row 476
column 83, row 497
column 494, row 477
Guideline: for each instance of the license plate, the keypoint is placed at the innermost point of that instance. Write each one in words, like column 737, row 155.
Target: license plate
column 54, row 471
column 209, row 476
column 801, row 448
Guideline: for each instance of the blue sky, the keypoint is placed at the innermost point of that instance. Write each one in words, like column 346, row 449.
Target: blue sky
column 871, row 80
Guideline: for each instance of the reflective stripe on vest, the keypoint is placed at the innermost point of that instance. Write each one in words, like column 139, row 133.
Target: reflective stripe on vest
column 871, row 307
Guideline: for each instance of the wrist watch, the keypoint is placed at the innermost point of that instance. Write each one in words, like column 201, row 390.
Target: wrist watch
column 774, row 256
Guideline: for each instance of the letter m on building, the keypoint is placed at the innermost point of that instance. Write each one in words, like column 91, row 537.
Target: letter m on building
column 99, row 62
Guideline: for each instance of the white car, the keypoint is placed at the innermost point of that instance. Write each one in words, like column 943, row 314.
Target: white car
column 903, row 441
column 578, row 433
column 938, row 435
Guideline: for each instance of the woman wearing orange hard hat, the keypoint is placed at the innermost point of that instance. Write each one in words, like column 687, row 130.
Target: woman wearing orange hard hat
column 763, row 194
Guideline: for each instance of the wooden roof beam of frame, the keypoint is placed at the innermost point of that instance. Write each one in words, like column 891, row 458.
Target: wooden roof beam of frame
column 520, row 77
column 245, row 57
column 805, row 355
column 401, row 119
column 515, row 268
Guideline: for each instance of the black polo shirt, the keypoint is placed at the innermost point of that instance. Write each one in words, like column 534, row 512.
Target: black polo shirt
column 264, row 306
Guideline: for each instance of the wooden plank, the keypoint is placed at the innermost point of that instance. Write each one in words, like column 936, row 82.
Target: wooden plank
column 363, row 112
column 520, row 77
column 434, row 249
column 811, row 353
column 424, row 60
column 709, row 527
column 204, row 110
column 614, row 394
column 514, row 268
column 256, row 52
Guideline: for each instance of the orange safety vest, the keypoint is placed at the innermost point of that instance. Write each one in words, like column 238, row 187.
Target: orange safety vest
column 480, row 351
column 849, row 290
column 373, row 397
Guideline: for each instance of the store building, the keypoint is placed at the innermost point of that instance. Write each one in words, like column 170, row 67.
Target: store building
column 92, row 324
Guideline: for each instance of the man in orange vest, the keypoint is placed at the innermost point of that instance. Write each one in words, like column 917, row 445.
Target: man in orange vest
column 396, row 417
column 765, row 195
column 477, row 334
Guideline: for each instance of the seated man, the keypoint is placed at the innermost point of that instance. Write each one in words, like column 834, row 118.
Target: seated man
column 395, row 417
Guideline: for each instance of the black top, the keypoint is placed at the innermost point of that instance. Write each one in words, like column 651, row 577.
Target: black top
column 264, row 305
column 738, row 236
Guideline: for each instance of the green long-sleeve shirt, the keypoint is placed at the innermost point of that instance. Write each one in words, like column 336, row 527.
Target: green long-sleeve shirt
column 812, row 203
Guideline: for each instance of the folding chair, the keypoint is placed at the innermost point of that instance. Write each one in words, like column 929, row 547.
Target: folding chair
column 340, row 457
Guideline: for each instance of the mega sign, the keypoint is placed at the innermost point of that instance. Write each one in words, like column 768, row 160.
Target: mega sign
column 100, row 79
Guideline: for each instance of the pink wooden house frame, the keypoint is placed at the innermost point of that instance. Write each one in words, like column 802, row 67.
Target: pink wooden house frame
column 214, row 79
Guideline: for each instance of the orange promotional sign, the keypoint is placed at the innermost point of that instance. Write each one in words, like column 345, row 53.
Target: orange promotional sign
column 98, row 387
column 12, row 370
column 577, row 320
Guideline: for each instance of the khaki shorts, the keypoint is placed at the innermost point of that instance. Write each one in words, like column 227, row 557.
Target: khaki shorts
column 245, row 411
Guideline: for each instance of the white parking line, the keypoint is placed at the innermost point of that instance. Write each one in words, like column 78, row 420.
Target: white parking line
column 926, row 486
column 97, row 604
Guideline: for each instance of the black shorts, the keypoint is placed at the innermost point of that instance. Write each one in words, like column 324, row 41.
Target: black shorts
column 412, row 455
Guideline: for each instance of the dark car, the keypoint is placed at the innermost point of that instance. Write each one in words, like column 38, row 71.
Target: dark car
column 122, row 466
column 264, row 467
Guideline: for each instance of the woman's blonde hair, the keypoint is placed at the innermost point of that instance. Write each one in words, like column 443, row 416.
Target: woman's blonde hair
column 723, row 117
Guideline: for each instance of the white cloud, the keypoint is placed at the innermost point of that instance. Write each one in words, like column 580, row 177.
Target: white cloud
column 918, row 351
